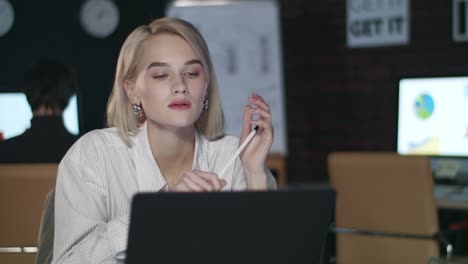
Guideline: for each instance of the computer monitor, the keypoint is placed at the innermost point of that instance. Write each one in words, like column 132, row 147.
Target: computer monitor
column 433, row 121
column 15, row 115
column 433, row 116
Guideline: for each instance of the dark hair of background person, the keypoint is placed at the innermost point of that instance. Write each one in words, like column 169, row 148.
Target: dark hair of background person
column 48, row 85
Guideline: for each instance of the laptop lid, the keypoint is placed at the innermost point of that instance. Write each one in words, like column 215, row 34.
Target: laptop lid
column 286, row 226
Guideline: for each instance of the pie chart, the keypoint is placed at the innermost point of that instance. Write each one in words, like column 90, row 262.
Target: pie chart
column 424, row 105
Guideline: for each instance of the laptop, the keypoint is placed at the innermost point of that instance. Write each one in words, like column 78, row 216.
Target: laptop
column 285, row 226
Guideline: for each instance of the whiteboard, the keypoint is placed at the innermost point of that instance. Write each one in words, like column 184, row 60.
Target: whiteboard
column 244, row 41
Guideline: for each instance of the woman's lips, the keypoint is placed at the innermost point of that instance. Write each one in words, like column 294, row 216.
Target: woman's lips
column 180, row 104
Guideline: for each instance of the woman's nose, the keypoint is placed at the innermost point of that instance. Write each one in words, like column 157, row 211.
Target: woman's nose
column 180, row 87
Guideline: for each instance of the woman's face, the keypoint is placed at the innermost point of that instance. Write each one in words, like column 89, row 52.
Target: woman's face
column 171, row 83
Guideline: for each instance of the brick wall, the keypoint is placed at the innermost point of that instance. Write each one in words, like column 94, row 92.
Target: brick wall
column 346, row 99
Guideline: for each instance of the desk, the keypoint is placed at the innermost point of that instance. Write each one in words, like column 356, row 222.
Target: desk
column 451, row 197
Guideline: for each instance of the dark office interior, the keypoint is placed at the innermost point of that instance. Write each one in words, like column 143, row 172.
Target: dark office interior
column 336, row 98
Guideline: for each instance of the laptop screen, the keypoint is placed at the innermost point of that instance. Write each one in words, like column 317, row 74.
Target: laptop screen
column 287, row 226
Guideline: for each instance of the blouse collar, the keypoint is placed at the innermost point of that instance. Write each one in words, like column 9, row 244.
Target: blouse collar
column 149, row 176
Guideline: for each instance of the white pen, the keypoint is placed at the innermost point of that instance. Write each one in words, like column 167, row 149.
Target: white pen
column 239, row 150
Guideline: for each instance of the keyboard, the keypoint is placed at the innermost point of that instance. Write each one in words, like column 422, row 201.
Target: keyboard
column 444, row 191
column 453, row 193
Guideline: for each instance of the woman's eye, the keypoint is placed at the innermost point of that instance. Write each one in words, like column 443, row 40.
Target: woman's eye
column 160, row 76
column 191, row 74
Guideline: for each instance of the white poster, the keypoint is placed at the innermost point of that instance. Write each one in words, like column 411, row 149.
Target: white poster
column 244, row 42
column 372, row 23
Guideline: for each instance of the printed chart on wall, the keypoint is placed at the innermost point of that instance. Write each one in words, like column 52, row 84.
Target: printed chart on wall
column 433, row 116
column 244, row 42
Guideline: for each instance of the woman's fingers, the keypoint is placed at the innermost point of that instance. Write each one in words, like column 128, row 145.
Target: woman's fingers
column 264, row 121
column 261, row 109
column 263, row 124
column 216, row 182
column 247, row 119
column 199, row 181
column 263, row 114
column 259, row 102
column 257, row 106
column 191, row 184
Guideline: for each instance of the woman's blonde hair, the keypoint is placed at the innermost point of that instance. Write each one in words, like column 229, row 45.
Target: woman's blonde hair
column 119, row 112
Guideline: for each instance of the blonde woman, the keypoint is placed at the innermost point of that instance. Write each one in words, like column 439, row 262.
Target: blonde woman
column 166, row 134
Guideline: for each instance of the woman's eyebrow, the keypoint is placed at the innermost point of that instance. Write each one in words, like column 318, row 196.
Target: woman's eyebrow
column 194, row 61
column 165, row 64
column 157, row 64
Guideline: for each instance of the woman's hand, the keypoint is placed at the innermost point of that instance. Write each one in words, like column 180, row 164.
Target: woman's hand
column 254, row 155
column 198, row 181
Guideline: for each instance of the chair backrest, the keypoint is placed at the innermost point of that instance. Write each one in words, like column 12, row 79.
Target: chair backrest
column 384, row 192
column 46, row 233
column 277, row 164
column 23, row 189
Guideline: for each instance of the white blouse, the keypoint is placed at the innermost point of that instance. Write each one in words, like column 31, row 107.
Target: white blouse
column 97, row 179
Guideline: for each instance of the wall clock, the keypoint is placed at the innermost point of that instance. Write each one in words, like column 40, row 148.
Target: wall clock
column 99, row 18
column 7, row 17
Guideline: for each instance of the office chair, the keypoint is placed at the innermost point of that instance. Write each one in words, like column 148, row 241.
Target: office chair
column 277, row 165
column 23, row 188
column 385, row 208
column 46, row 232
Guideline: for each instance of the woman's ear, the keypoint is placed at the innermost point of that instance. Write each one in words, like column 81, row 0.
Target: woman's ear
column 206, row 89
column 130, row 91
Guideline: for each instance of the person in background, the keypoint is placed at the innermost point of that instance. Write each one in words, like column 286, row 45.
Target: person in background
column 166, row 134
column 48, row 85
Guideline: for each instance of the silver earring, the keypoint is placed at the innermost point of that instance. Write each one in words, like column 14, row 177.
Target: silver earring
column 205, row 104
column 137, row 110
